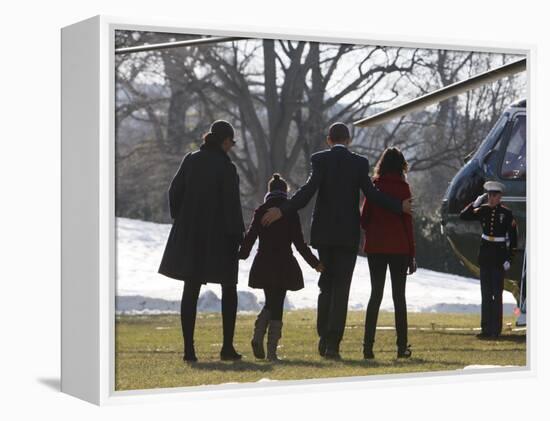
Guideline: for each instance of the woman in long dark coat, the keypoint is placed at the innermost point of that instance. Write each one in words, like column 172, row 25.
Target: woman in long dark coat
column 275, row 269
column 207, row 230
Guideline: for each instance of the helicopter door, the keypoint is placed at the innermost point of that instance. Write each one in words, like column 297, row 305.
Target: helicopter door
column 513, row 172
column 514, row 164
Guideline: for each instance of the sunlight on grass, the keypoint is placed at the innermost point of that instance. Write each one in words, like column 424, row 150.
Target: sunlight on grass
column 148, row 349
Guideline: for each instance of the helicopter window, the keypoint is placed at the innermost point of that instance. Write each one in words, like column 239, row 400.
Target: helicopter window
column 493, row 136
column 514, row 164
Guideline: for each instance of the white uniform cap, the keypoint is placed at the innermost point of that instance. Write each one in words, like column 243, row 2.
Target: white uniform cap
column 493, row 186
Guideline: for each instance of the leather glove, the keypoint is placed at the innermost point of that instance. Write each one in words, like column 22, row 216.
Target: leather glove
column 506, row 265
column 480, row 199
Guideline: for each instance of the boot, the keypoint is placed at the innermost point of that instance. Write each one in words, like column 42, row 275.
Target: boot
column 260, row 327
column 404, row 351
column 273, row 336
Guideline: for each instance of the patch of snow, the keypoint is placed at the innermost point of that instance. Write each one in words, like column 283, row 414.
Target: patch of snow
column 141, row 290
column 481, row 367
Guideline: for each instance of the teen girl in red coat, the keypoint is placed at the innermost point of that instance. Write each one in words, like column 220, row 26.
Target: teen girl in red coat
column 389, row 242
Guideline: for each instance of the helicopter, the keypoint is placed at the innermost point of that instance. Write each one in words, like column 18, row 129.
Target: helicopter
column 501, row 157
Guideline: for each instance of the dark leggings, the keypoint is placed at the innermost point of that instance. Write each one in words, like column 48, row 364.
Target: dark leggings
column 398, row 264
column 274, row 302
column 188, row 313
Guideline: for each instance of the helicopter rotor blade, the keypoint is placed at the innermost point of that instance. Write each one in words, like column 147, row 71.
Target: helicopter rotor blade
column 444, row 93
column 176, row 44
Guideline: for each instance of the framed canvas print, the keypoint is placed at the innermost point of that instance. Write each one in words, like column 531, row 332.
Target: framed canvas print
column 243, row 211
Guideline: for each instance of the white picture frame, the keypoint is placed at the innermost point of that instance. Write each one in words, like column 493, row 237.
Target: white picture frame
column 88, row 205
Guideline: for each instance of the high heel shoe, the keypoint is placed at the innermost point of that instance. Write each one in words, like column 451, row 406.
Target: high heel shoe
column 229, row 354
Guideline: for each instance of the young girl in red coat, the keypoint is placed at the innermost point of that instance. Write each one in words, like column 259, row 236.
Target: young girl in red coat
column 275, row 269
column 389, row 242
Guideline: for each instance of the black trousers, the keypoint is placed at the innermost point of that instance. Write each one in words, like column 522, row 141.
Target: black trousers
column 274, row 302
column 334, row 285
column 492, row 285
column 398, row 264
column 188, row 313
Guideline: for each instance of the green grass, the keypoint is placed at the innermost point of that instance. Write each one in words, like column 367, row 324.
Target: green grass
column 148, row 349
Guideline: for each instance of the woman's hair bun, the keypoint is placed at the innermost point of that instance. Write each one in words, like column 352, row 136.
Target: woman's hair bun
column 276, row 176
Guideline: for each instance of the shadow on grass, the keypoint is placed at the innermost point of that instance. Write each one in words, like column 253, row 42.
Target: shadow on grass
column 513, row 337
column 259, row 365
column 397, row 362
column 231, row 366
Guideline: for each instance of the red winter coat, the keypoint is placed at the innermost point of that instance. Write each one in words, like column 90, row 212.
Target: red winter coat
column 274, row 265
column 385, row 231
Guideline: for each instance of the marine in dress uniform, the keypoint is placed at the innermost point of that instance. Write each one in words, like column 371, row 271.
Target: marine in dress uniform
column 498, row 244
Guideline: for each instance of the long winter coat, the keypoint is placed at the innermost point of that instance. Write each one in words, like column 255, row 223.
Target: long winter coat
column 208, row 223
column 387, row 232
column 274, row 265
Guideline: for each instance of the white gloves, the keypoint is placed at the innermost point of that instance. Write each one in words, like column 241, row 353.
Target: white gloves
column 480, row 200
column 506, row 265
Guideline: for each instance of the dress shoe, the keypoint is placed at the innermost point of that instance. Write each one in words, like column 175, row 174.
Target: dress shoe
column 332, row 354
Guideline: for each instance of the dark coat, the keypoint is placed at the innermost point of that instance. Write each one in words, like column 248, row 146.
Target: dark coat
column 338, row 176
column 274, row 265
column 387, row 232
column 208, row 224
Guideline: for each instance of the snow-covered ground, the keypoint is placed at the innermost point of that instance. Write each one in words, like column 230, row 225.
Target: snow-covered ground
column 140, row 289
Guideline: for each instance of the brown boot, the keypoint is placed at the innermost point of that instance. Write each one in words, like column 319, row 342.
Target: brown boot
column 260, row 327
column 273, row 336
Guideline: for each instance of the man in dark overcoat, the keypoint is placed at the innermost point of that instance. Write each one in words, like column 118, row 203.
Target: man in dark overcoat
column 337, row 176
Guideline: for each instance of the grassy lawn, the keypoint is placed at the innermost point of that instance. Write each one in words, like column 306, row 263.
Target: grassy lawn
column 148, row 349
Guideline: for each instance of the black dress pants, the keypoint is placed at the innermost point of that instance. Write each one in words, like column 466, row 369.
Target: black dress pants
column 334, row 285
column 492, row 286
column 188, row 313
column 398, row 264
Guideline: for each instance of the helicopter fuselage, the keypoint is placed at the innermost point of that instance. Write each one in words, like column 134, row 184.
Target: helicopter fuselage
column 500, row 157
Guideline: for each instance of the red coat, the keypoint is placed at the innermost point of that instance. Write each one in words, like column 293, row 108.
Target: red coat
column 274, row 265
column 385, row 231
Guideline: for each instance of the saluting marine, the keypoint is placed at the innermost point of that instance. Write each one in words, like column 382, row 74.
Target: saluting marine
column 498, row 244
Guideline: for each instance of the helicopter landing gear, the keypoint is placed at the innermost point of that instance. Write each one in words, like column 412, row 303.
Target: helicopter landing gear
column 522, row 317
